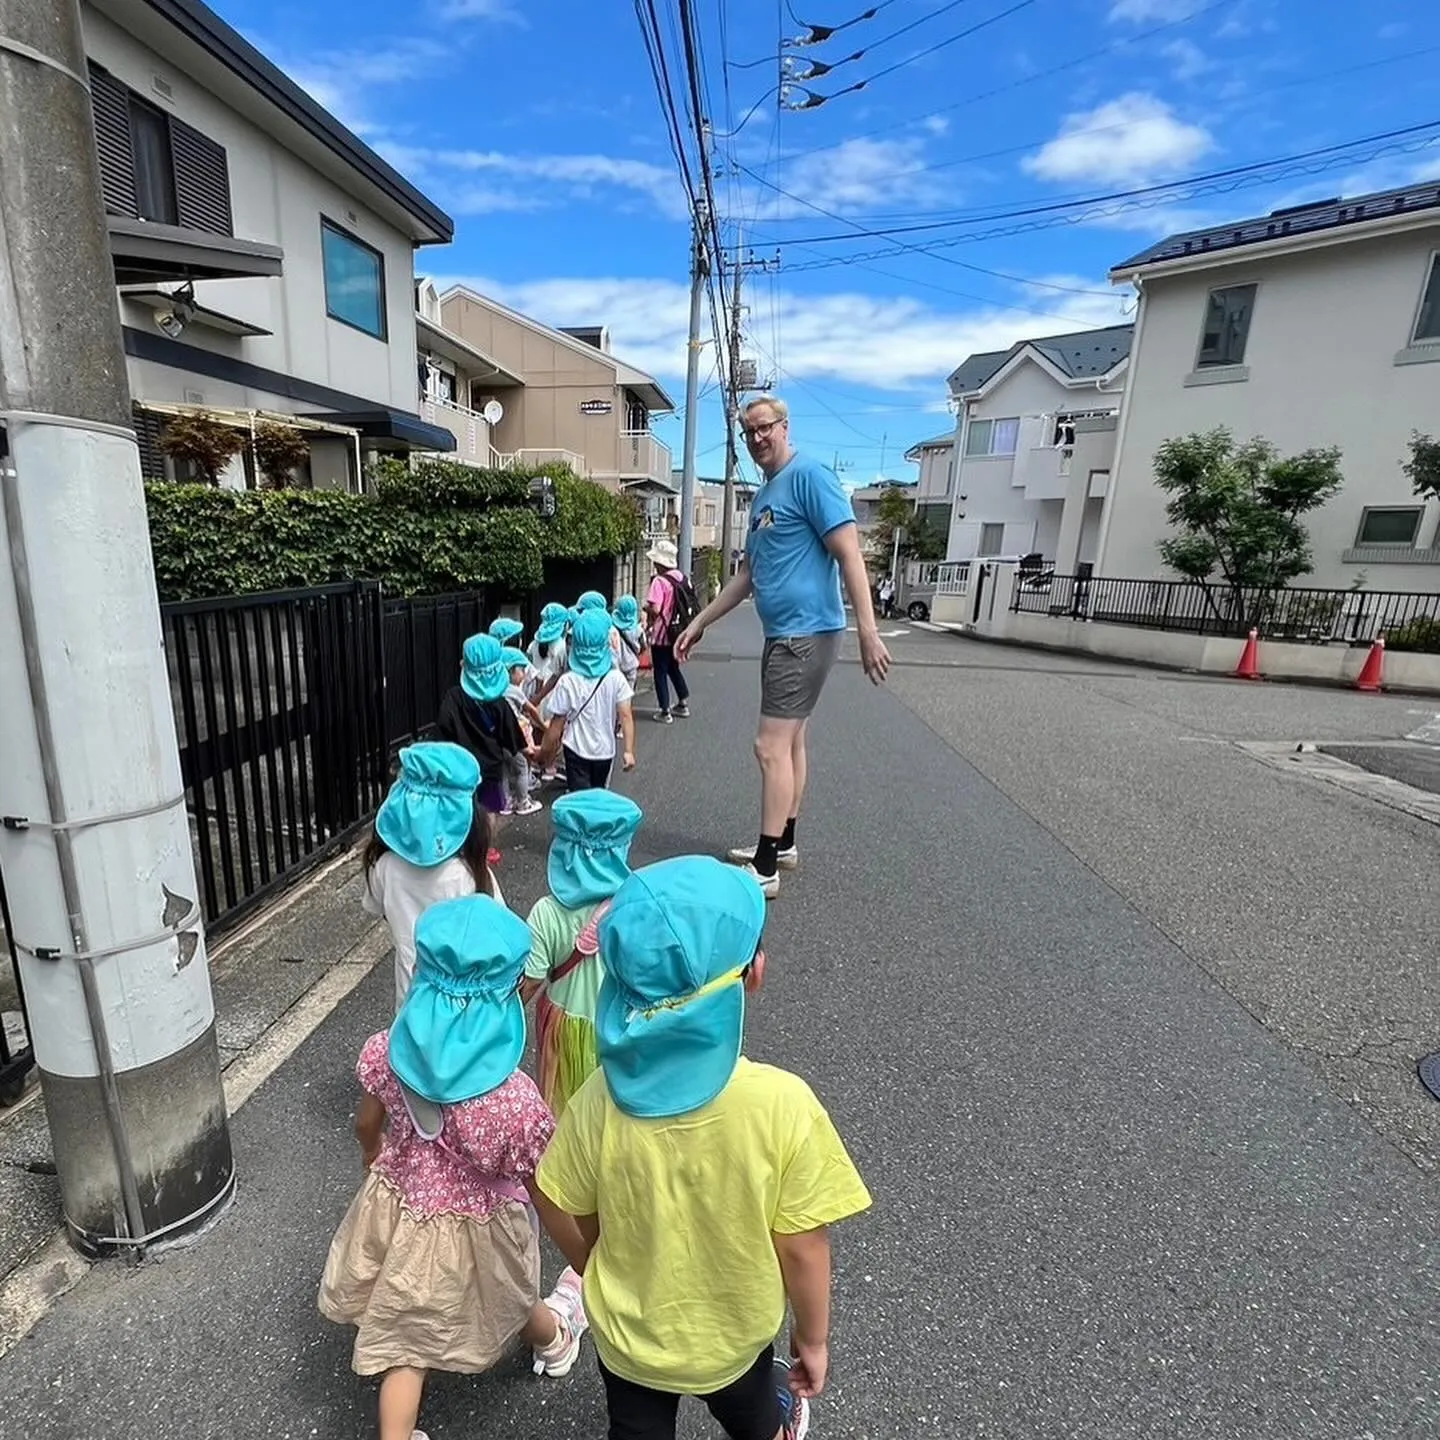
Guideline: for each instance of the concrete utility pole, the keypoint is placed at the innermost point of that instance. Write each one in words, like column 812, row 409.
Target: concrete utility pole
column 95, row 843
column 732, row 420
column 699, row 269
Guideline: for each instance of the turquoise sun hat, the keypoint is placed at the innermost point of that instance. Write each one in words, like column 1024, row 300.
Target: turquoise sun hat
column 671, row 1015
column 590, row 600
column 553, row 620
column 504, row 629
column 510, row 657
column 427, row 814
column 590, row 653
column 590, row 854
column 461, row 1030
column 483, row 675
column 627, row 612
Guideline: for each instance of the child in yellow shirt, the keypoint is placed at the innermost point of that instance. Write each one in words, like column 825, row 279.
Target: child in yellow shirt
column 703, row 1184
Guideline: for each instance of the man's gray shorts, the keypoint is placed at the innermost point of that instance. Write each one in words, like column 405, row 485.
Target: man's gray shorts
column 793, row 670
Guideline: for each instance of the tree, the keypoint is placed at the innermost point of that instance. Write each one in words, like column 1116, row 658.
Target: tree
column 280, row 450
column 1237, row 509
column 1423, row 466
column 895, row 510
column 205, row 442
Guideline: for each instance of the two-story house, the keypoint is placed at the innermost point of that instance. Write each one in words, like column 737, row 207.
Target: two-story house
column 935, row 485
column 511, row 388
column 1312, row 326
column 1034, row 446
column 264, row 255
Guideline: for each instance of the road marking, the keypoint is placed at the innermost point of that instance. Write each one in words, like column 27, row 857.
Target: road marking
column 1428, row 733
column 884, row 634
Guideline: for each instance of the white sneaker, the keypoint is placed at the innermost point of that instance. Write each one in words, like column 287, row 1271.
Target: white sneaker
column 769, row 884
column 565, row 1303
column 528, row 806
column 745, row 855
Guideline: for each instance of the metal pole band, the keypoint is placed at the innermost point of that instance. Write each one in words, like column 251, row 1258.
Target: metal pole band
column 24, row 822
column 29, row 52
column 68, row 422
column 211, row 1206
column 52, row 952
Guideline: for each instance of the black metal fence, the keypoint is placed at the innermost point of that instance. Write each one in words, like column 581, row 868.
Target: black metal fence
column 280, row 707
column 1301, row 614
column 422, row 658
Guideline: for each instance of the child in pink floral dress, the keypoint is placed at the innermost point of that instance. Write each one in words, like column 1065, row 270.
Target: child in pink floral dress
column 437, row 1262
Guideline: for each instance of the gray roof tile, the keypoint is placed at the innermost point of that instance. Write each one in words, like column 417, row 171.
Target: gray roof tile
column 1293, row 220
column 1080, row 355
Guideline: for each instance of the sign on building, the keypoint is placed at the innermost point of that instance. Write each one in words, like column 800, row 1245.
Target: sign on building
column 596, row 407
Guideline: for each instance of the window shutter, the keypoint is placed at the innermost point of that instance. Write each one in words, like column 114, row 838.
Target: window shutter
column 148, row 426
column 202, row 180
column 110, row 104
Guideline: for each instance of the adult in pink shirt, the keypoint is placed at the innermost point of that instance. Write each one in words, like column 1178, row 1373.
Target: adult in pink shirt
column 660, row 609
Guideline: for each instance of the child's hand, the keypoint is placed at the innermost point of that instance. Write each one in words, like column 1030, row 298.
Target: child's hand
column 629, row 762
column 369, row 1154
column 809, row 1368
column 755, row 974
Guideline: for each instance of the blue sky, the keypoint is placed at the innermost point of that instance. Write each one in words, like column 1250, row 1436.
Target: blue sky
column 538, row 127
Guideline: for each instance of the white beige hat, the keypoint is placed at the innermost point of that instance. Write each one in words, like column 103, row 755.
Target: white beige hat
column 664, row 554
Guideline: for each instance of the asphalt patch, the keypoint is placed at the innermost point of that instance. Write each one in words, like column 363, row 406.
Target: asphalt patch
column 1417, row 765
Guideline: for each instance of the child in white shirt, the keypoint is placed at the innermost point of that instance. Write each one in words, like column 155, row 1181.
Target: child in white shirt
column 587, row 703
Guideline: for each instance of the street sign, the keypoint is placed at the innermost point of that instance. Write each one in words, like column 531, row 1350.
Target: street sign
column 596, row 407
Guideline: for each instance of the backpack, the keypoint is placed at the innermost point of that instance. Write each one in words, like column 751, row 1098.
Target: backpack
column 684, row 603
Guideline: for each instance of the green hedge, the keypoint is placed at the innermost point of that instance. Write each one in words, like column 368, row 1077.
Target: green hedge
column 442, row 527
column 1421, row 633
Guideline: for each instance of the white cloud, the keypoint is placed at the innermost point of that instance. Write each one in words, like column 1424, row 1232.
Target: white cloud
column 1139, row 138
column 340, row 80
column 536, row 182
column 1392, row 31
column 936, row 124
column 857, row 176
column 1140, row 12
column 1190, row 60
column 886, row 342
column 499, row 10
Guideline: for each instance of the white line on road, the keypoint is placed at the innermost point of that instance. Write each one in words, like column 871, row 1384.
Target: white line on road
column 884, row 634
column 1428, row 733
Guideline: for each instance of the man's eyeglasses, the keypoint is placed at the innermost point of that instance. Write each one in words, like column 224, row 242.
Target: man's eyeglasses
column 759, row 432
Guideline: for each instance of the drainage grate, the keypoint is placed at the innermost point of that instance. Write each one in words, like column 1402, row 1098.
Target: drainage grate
column 1429, row 1069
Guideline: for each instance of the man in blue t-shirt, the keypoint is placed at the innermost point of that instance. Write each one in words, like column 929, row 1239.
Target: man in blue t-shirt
column 802, row 543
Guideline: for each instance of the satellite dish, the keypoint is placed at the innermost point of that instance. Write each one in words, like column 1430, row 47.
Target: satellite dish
column 494, row 412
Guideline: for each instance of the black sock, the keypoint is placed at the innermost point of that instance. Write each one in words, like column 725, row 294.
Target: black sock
column 766, row 862
column 787, row 837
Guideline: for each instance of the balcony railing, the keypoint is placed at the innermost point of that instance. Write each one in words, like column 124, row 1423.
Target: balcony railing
column 470, row 429
column 522, row 459
column 642, row 454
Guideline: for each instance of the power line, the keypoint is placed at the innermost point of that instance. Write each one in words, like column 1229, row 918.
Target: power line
column 1162, row 188
column 1028, row 79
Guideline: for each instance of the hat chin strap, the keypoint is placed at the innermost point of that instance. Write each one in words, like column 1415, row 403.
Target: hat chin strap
column 720, row 982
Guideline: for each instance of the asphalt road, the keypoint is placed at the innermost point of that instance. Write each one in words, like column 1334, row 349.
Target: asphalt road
column 1116, row 1197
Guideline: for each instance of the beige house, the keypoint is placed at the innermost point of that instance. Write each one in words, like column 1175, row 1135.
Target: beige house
column 263, row 253
column 511, row 389
column 1312, row 326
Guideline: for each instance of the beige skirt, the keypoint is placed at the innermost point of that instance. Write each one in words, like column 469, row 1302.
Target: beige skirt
column 444, row 1293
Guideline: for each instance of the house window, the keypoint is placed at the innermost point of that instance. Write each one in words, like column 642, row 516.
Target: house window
column 992, row 437
column 155, row 167
column 992, row 539
column 1427, row 324
column 1227, row 326
column 354, row 281
column 1389, row 525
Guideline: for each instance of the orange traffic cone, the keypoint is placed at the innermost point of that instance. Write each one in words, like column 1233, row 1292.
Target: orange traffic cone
column 1249, row 666
column 1374, row 667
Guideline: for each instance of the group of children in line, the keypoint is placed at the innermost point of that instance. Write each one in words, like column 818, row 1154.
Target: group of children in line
column 522, row 713
column 688, row 1188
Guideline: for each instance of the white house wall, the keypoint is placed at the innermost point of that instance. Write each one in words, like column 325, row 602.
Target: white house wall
column 279, row 199
column 986, row 488
column 1321, row 364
